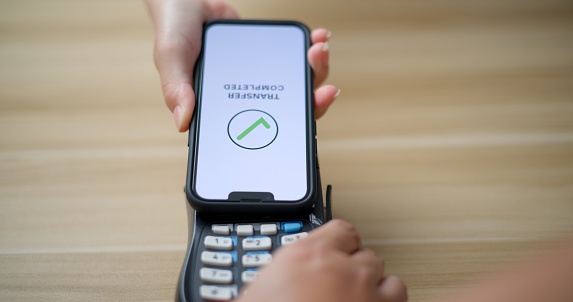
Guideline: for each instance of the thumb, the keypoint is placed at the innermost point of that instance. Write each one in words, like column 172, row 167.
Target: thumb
column 180, row 99
column 175, row 59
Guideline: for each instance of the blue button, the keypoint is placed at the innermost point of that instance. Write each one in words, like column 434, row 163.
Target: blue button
column 291, row 227
column 234, row 239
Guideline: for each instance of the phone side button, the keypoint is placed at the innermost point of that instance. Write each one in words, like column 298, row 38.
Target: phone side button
column 316, row 152
column 314, row 126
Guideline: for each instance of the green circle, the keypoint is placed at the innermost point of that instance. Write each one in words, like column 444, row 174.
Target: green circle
column 231, row 137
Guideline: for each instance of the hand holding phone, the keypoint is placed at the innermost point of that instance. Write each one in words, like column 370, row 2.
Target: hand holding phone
column 178, row 28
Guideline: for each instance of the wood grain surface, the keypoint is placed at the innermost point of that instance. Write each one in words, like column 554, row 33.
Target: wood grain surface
column 450, row 147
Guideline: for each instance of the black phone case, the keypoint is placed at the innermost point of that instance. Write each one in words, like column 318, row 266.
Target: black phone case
column 249, row 205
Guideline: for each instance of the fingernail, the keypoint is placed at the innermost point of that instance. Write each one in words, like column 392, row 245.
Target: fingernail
column 325, row 54
column 337, row 93
column 177, row 116
column 328, row 35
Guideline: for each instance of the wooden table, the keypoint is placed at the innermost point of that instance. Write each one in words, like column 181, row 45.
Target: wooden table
column 450, row 147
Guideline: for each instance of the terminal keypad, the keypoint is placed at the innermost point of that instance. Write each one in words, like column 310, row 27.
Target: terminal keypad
column 231, row 254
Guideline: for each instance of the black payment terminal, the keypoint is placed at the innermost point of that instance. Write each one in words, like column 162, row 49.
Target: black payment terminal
column 225, row 252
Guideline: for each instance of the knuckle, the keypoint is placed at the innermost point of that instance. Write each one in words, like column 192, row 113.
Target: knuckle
column 299, row 252
column 167, row 44
column 350, row 230
column 217, row 5
column 377, row 260
column 356, row 238
column 339, row 223
column 365, row 274
column 164, row 47
column 318, row 247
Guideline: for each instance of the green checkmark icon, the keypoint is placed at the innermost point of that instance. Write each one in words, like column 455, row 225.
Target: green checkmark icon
column 252, row 127
column 243, row 123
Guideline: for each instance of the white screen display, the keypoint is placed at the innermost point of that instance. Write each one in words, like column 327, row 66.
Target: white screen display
column 252, row 131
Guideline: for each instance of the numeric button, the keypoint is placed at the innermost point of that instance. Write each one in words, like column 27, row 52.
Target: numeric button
column 256, row 259
column 249, row 276
column 290, row 239
column 259, row 243
column 219, row 243
column 216, row 293
column 218, row 276
column 216, row 259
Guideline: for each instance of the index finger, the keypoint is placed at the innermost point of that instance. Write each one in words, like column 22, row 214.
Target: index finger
column 337, row 234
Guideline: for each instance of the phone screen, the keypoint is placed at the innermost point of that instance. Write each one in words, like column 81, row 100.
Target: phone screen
column 253, row 112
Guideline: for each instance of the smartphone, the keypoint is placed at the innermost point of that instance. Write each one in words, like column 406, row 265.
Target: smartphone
column 252, row 144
